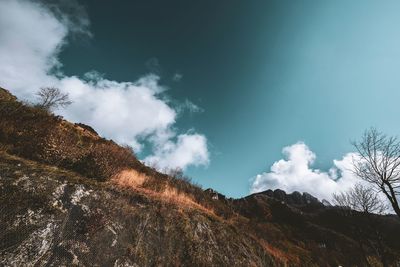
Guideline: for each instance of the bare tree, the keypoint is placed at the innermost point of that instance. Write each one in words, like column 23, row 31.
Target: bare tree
column 360, row 198
column 52, row 98
column 363, row 201
column 379, row 164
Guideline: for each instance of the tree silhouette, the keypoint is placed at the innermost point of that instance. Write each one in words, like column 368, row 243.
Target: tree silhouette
column 51, row 98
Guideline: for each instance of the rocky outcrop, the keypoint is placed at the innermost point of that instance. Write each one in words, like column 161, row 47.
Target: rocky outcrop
column 51, row 217
column 295, row 198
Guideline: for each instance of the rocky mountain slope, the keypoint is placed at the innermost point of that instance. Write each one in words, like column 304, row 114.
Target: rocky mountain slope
column 71, row 198
column 52, row 217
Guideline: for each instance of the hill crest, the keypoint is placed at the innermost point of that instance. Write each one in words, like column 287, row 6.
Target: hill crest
column 70, row 197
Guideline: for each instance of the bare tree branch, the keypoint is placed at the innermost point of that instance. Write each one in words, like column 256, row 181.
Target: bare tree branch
column 51, row 98
column 379, row 164
column 361, row 199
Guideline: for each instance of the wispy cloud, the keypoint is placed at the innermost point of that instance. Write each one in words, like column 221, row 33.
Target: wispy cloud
column 32, row 36
column 188, row 105
column 177, row 77
column 153, row 65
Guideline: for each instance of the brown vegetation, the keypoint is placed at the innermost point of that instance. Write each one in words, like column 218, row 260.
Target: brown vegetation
column 36, row 134
column 162, row 189
column 310, row 235
column 130, row 179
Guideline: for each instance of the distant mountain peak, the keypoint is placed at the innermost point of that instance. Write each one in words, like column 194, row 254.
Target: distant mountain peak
column 296, row 198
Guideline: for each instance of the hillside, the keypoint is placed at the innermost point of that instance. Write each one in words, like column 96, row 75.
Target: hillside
column 70, row 197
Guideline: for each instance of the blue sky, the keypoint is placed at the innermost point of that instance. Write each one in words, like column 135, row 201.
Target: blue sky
column 263, row 74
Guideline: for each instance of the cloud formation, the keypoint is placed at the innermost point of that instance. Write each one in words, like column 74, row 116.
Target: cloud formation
column 32, row 36
column 188, row 149
column 295, row 173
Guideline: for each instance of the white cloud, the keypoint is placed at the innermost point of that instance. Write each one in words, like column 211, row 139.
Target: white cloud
column 190, row 149
column 123, row 111
column 32, row 36
column 294, row 173
column 30, row 40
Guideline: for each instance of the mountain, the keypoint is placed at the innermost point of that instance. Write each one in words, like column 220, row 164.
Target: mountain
column 69, row 197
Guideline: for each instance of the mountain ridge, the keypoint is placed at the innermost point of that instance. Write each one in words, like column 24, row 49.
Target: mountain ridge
column 70, row 197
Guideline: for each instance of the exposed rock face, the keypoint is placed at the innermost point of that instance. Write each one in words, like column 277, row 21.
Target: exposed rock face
column 295, row 198
column 216, row 195
column 87, row 128
column 54, row 218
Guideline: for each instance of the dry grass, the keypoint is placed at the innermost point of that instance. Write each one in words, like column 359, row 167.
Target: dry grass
column 277, row 254
column 281, row 256
column 130, row 178
column 173, row 195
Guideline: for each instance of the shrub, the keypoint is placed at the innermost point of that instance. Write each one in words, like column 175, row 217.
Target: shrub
column 104, row 160
column 34, row 133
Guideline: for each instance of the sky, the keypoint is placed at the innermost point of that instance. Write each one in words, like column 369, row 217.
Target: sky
column 242, row 95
